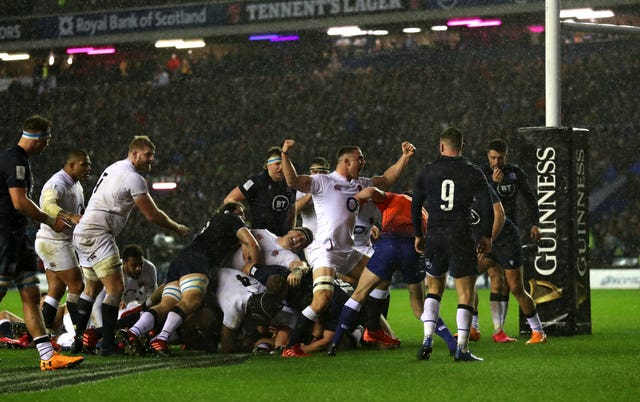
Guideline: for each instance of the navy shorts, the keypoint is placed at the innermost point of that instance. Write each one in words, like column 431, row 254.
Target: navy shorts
column 449, row 250
column 188, row 262
column 507, row 251
column 17, row 254
column 396, row 253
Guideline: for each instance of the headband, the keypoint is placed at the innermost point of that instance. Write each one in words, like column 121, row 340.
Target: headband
column 274, row 160
column 35, row 136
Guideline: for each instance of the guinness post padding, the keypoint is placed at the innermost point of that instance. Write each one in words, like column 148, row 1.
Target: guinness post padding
column 556, row 270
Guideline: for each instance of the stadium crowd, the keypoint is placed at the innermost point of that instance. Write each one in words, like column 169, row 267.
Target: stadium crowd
column 213, row 122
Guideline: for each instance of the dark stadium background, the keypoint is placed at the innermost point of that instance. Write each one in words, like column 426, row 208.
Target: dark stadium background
column 213, row 122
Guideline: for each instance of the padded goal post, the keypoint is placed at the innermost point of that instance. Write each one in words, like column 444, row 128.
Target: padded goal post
column 556, row 270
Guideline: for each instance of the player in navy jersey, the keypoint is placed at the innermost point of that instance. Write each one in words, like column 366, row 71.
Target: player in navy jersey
column 18, row 261
column 509, row 181
column 504, row 265
column 446, row 188
column 271, row 202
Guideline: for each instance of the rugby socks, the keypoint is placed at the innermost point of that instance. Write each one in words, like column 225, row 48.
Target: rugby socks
column 534, row 321
column 109, row 321
column 495, row 304
column 85, row 304
column 145, row 323
column 377, row 303
column 463, row 319
column 475, row 321
column 504, row 308
column 430, row 315
column 49, row 311
column 173, row 321
column 45, row 348
column 443, row 332
column 72, row 306
column 348, row 317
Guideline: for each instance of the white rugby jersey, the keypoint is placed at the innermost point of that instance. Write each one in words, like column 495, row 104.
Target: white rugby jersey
column 112, row 199
column 336, row 209
column 142, row 288
column 70, row 196
column 308, row 214
column 272, row 252
column 234, row 290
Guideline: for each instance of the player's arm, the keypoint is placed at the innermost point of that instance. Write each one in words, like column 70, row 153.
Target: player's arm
column 390, row 176
column 227, row 339
column 319, row 344
column 299, row 182
column 235, row 195
column 153, row 214
column 25, row 206
column 302, row 202
column 417, row 201
column 250, row 247
column 373, row 193
column 50, row 205
column 499, row 218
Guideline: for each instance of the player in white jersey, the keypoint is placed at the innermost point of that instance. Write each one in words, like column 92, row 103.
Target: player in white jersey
column 62, row 195
column 119, row 189
column 277, row 250
column 140, row 281
column 336, row 209
column 306, row 211
column 240, row 296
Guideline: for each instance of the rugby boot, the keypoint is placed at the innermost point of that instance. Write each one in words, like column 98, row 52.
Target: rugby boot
column 501, row 337
column 424, row 353
column 129, row 342
column 331, row 350
column 160, row 348
column 25, row 340
column 474, row 335
column 10, row 343
column 380, row 336
column 59, row 361
column 537, row 337
column 89, row 341
column 294, row 351
column 467, row 356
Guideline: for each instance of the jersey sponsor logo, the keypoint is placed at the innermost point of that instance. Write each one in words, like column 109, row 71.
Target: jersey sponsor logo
column 506, row 189
column 275, row 253
column 21, row 172
column 280, row 203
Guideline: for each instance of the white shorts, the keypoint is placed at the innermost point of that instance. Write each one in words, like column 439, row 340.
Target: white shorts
column 343, row 261
column 93, row 249
column 56, row 255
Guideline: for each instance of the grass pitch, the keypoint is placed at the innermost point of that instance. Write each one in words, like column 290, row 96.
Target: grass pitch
column 598, row 367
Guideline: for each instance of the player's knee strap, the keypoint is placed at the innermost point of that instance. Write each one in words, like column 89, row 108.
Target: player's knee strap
column 90, row 275
column 26, row 280
column 172, row 291
column 323, row 283
column 196, row 283
column 108, row 266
